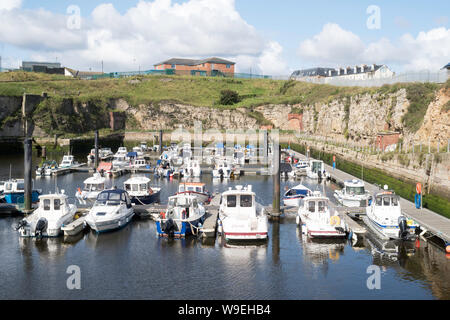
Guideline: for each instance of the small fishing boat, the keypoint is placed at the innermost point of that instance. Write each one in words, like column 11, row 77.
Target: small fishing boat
column 222, row 169
column 68, row 161
column 184, row 215
column 196, row 189
column 92, row 188
column 241, row 217
column 140, row 191
column 353, row 194
column 144, row 146
column 316, row 169
column 46, row 169
column 384, row 217
column 140, row 163
column 192, row 169
column 318, row 220
column 302, row 164
column 294, row 195
column 138, row 151
column 53, row 213
column 105, row 168
column 120, row 160
column 163, row 169
column 14, row 193
column 112, row 210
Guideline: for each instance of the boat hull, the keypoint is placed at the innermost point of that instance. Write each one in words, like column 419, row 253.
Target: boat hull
column 385, row 232
column 147, row 199
column 19, row 197
column 110, row 225
column 184, row 227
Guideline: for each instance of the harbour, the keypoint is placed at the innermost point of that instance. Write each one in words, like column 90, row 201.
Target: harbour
column 275, row 269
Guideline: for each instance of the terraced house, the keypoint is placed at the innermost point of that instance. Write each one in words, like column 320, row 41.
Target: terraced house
column 210, row 66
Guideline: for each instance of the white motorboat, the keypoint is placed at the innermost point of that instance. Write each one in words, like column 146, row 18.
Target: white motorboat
column 68, row 161
column 294, row 195
column 163, row 169
column 14, row 192
column 316, row 170
column 144, row 146
column 384, row 216
column 92, row 188
column 138, row 151
column 196, row 189
column 46, row 169
column 120, row 160
column 139, row 163
column 54, row 212
column 318, row 220
column 184, row 215
column 140, row 191
column 302, row 164
column 222, row 169
column 192, row 169
column 353, row 194
column 106, row 154
column 241, row 217
column 112, row 210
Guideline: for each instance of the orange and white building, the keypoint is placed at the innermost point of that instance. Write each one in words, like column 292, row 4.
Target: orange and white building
column 209, row 66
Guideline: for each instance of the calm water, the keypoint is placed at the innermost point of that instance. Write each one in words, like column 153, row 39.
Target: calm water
column 134, row 263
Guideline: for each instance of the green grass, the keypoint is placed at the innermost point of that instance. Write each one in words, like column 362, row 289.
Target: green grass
column 404, row 189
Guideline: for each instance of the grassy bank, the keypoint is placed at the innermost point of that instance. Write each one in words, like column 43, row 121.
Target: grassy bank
column 375, row 176
column 194, row 90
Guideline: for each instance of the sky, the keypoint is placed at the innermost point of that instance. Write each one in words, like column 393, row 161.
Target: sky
column 261, row 36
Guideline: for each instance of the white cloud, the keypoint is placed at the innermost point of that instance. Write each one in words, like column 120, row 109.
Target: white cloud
column 271, row 61
column 145, row 34
column 10, row 4
column 334, row 46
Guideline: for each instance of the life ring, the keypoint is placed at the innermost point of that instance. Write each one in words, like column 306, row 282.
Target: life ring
column 79, row 190
column 335, row 221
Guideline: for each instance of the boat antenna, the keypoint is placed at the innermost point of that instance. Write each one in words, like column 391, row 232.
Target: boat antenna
column 10, row 166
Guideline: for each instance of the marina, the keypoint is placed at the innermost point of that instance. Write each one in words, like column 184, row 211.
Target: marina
column 286, row 246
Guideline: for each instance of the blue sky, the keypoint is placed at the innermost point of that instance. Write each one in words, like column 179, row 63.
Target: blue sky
column 290, row 33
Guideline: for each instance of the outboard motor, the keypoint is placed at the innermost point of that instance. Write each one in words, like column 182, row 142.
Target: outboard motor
column 403, row 225
column 169, row 227
column 41, row 226
column 21, row 224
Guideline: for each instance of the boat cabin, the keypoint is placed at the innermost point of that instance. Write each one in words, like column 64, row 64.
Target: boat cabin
column 113, row 197
column 94, row 183
column 188, row 203
column 54, row 202
column 138, row 185
column 316, row 166
column 239, row 201
column 14, row 186
column 316, row 204
column 67, row 160
column 387, row 199
column 354, row 187
column 192, row 186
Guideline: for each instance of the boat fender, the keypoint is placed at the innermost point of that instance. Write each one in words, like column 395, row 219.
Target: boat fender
column 335, row 221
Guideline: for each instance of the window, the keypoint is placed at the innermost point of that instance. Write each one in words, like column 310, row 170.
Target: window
column 143, row 186
column 134, row 187
column 173, row 66
column 394, row 201
column 311, row 206
column 212, row 65
column 57, row 204
column 231, row 201
column 128, row 187
column 379, row 199
column 228, row 66
column 321, row 206
column 246, row 201
column 386, row 201
column 46, row 204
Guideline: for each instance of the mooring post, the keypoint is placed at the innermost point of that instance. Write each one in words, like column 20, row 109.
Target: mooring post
column 28, row 184
column 276, row 181
column 160, row 141
column 96, row 150
column 266, row 147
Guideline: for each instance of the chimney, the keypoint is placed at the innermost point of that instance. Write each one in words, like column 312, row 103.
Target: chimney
column 345, row 70
column 373, row 67
column 329, row 73
column 356, row 69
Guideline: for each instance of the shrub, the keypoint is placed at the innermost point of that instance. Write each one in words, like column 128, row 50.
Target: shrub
column 229, row 97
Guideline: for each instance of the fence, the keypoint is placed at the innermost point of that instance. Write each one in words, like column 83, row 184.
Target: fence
column 213, row 73
column 425, row 76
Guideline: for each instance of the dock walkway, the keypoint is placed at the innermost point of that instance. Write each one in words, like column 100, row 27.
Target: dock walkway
column 427, row 219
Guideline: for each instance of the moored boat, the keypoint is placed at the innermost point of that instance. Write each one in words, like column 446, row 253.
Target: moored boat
column 318, row 220
column 197, row 189
column 184, row 215
column 353, row 194
column 241, row 217
column 112, row 210
column 384, row 217
column 92, row 188
column 140, row 191
column 54, row 212
column 294, row 195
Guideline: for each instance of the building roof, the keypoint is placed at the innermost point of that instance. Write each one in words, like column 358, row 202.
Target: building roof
column 193, row 62
column 325, row 72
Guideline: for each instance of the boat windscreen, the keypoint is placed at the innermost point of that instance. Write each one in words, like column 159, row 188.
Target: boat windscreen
column 246, row 201
column 355, row 190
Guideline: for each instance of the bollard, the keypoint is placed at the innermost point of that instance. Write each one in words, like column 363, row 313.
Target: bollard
column 276, row 181
column 96, row 150
column 28, row 145
column 160, row 141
